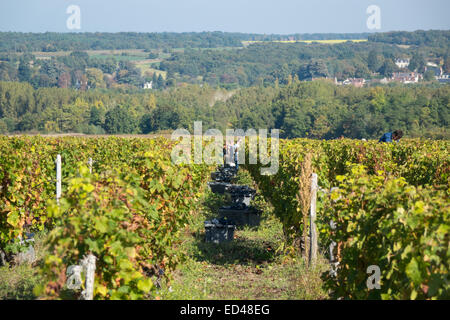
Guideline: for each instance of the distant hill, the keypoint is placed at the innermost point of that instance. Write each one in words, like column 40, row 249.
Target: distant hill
column 52, row 41
column 432, row 38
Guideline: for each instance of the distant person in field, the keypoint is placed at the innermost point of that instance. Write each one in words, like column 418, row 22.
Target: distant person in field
column 236, row 153
column 224, row 153
column 391, row 136
column 228, row 152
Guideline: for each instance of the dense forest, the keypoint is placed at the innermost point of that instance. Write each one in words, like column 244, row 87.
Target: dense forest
column 432, row 38
column 269, row 62
column 53, row 41
column 316, row 109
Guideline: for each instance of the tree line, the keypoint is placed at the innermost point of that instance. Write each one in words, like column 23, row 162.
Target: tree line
column 282, row 62
column 316, row 109
column 54, row 41
column 431, row 38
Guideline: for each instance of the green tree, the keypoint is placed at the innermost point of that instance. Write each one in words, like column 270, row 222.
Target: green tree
column 417, row 63
column 24, row 72
column 3, row 127
column 446, row 65
column 318, row 69
column 119, row 120
column 161, row 84
column 129, row 74
column 388, row 68
column 429, row 75
column 28, row 122
column 146, row 124
column 97, row 116
column 95, row 78
column 373, row 62
column 8, row 71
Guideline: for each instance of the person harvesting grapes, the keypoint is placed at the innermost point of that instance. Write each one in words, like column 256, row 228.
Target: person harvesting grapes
column 391, row 136
column 236, row 153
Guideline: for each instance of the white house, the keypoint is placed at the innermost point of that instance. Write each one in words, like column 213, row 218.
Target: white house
column 357, row 82
column 402, row 63
column 148, row 85
column 406, row 77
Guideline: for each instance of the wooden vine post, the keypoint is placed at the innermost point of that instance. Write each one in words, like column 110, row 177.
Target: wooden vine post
column 58, row 178
column 90, row 162
column 313, row 228
column 75, row 280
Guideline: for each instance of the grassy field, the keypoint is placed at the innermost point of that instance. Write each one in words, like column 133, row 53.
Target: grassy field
column 253, row 266
column 18, row 281
column 95, row 53
column 145, row 66
column 246, row 43
column 137, row 56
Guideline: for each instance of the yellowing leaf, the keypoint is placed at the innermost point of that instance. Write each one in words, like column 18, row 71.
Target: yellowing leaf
column 145, row 285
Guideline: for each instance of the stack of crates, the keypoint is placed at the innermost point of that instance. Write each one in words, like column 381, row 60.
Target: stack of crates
column 239, row 212
column 218, row 231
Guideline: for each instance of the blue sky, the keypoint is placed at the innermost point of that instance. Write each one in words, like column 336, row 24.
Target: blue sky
column 249, row 16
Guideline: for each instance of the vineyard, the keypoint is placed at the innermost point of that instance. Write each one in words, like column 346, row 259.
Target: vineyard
column 128, row 212
column 382, row 204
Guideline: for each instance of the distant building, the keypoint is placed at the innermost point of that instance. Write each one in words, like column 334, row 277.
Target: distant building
column 148, row 85
column 402, row 63
column 445, row 78
column 357, row 82
column 382, row 81
column 406, row 77
column 320, row 79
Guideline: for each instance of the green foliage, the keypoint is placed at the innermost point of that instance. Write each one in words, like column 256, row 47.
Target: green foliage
column 52, row 41
column 388, row 68
column 18, row 282
column 315, row 109
column 268, row 62
column 109, row 220
column 417, row 62
column 393, row 212
column 3, row 127
column 429, row 75
column 129, row 215
column 119, row 120
column 373, row 61
column 438, row 38
column 384, row 221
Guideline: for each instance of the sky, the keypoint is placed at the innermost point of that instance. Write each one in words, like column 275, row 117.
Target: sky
column 246, row 16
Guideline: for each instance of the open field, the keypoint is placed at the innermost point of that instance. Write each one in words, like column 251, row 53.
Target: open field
column 145, row 66
column 246, row 43
column 136, row 56
column 128, row 54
